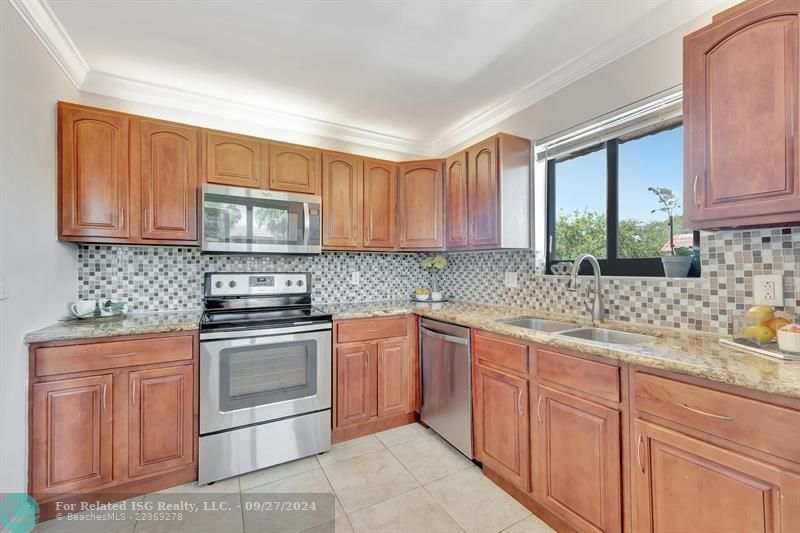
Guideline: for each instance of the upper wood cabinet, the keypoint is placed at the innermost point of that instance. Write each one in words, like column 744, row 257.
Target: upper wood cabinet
column 168, row 170
column 235, row 160
column 484, row 194
column 380, row 204
column 456, row 200
column 93, row 173
column 293, row 168
column 420, row 204
column 741, row 100
column 342, row 192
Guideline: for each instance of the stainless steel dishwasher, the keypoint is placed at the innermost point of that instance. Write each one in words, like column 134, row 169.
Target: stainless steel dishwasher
column 446, row 376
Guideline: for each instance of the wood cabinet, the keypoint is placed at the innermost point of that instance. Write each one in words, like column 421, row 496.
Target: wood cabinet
column 456, row 200
column 684, row 484
column 160, row 421
column 741, row 107
column 374, row 362
column 484, row 194
column 420, row 204
column 72, row 434
column 579, row 460
column 93, row 178
column 342, row 201
column 168, row 179
column 235, row 160
column 293, row 168
column 501, row 432
column 117, row 417
column 380, row 205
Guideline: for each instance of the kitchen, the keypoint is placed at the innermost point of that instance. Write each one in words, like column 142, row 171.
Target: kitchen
column 452, row 294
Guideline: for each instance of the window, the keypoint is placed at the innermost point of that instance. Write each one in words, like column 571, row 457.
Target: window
column 599, row 201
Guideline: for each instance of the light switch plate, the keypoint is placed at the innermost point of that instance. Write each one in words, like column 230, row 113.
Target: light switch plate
column 355, row 277
column 768, row 290
column 3, row 286
column 511, row 280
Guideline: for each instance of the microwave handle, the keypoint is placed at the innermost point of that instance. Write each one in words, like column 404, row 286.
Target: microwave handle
column 306, row 223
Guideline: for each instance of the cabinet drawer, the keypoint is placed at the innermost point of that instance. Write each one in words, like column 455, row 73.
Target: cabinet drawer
column 588, row 376
column 501, row 353
column 371, row 328
column 758, row 425
column 83, row 357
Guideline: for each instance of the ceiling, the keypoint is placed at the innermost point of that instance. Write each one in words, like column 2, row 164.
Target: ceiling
column 416, row 76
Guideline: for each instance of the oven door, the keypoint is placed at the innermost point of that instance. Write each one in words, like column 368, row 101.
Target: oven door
column 261, row 378
column 242, row 220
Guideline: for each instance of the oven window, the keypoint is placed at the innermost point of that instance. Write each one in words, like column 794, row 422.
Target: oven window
column 252, row 376
column 228, row 219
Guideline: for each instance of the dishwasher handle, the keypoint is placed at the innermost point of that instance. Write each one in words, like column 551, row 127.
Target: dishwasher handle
column 442, row 336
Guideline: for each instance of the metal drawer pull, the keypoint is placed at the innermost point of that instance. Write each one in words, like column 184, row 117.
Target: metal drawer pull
column 104, row 396
column 128, row 354
column 699, row 412
column 133, row 393
column 538, row 409
column 373, row 330
column 519, row 403
column 639, row 453
column 694, row 189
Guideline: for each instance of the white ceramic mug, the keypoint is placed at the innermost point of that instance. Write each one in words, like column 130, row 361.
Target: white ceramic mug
column 83, row 307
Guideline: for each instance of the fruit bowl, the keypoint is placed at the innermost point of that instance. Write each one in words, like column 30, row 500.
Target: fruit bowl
column 760, row 324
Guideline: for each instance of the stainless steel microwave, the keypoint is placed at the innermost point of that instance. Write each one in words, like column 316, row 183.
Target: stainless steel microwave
column 240, row 220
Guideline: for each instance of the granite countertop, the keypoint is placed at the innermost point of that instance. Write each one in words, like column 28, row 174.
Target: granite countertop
column 684, row 352
column 130, row 324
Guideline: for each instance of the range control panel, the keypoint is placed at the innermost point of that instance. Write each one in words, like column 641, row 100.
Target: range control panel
column 254, row 284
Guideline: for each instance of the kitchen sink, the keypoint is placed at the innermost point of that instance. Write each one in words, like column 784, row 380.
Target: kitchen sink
column 608, row 336
column 539, row 324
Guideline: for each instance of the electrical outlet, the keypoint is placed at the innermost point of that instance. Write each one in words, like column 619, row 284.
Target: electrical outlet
column 768, row 290
column 511, row 280
column 355, row 277
column 3, row 286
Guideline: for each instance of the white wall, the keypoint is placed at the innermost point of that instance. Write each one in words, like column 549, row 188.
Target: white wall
column 40, row 271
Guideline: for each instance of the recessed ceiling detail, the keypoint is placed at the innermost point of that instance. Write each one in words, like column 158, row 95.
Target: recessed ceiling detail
column 411, row 77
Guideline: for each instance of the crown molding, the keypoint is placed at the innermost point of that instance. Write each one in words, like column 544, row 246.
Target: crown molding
column 667, row 17
column 46, row 26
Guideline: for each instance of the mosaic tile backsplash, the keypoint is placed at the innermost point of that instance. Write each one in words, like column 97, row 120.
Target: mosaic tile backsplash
column 166, row 278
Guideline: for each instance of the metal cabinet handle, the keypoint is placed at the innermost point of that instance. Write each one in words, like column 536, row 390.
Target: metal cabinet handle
column 133, row 393
column 128, row 354
column 639, row 452
column 694, row 190
column 539, row 409
column 122, row 217
column 519, row 403
column 704, row 413
column 146, row 220
column 104, row 396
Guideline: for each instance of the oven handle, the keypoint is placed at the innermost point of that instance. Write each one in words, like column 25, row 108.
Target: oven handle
column 276, row 332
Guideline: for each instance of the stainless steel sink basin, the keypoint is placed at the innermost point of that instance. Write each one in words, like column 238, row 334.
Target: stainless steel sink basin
column 608, row 336
column 539, row 324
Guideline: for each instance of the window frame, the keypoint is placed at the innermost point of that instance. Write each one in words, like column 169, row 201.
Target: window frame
column 612, row 265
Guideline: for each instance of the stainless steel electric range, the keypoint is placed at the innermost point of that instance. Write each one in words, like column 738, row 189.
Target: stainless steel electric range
column 265, row 373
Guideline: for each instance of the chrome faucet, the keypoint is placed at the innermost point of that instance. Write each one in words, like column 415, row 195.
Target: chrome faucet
column 596, row 307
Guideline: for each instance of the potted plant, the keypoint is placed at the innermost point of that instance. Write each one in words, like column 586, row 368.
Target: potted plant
column 436, row 263
column 679, row 260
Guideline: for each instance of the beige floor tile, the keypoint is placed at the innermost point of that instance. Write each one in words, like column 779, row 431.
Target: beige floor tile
column 477, row 504
column 429, row 458
column 224, row 517
column 414, row 511
column 274, row 473
column 223, row 486
column 340, row 525
column 399, row 435
column 368, row 479
column 349, row 449
column 311, row 482
column 115, row 521
column 532, row 524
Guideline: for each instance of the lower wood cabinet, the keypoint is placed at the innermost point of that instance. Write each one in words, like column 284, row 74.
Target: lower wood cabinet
column 684, row 484
column 501, row 432
column 578, row 454
column 373, row 386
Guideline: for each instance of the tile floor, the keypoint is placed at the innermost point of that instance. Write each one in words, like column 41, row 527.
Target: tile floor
column 402, row 480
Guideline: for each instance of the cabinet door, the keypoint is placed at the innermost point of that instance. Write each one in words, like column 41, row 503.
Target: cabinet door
column 293, row 168
column 380, row 204
column 683, row 484
column 356, row 390
column 72, row 429
column 484, row 194
column 456, row 225
column 169, row 181
column 341, row 200
column 420, row 209
column 501, row 425
column 579, row 460
column 741, row 111
column 93, row 173
column 160, row 419
column 394, row 377
column 235, row 160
